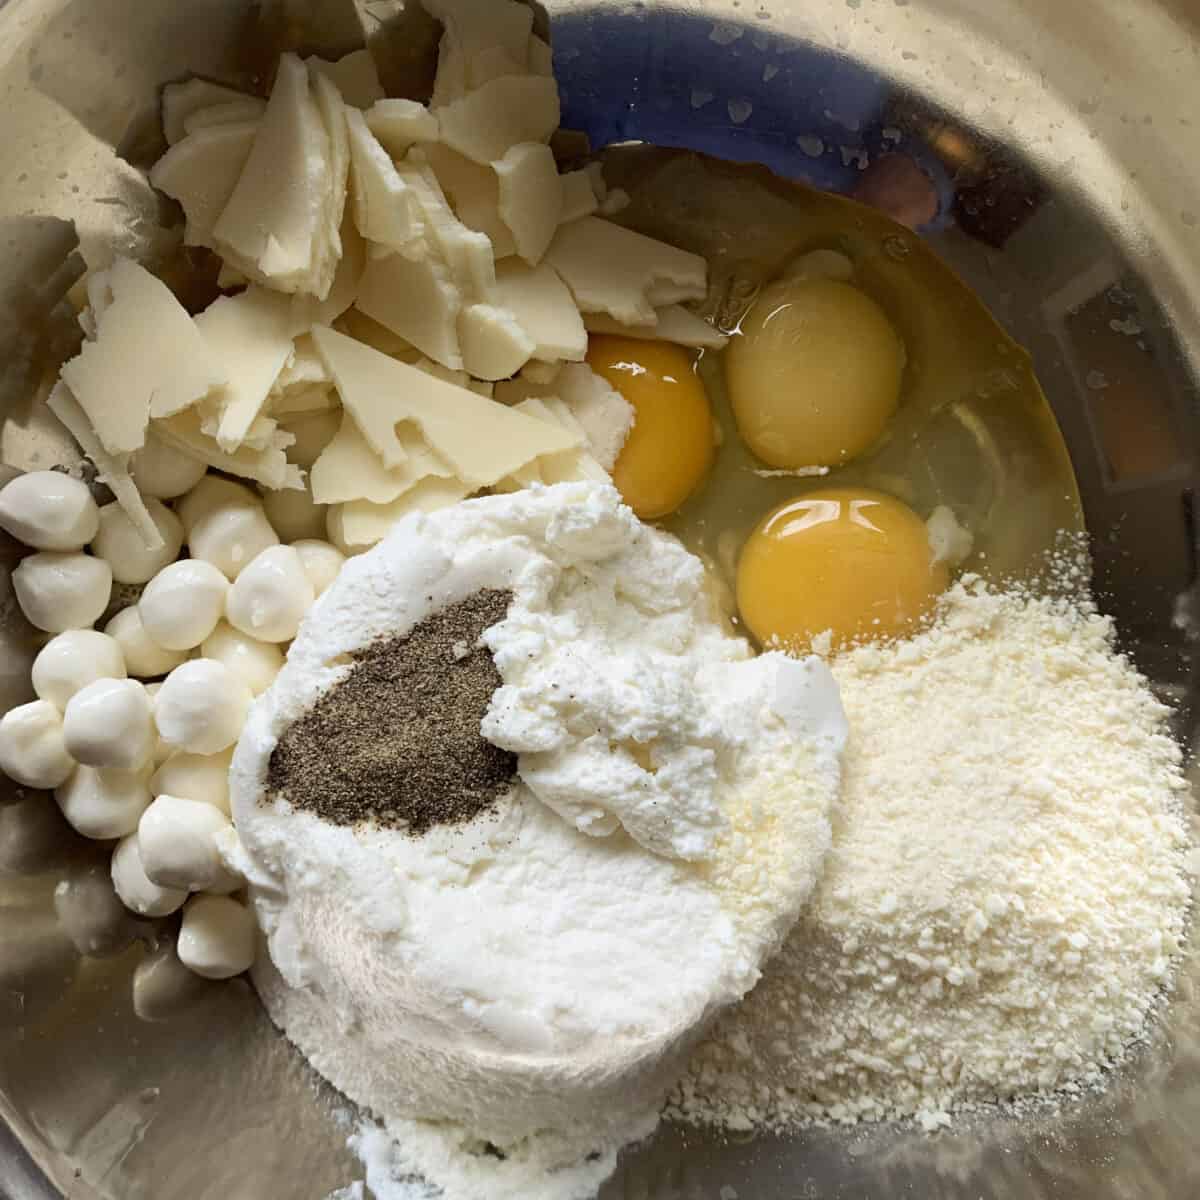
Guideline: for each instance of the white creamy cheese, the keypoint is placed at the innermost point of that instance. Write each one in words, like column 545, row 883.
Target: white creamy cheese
column 515, row 973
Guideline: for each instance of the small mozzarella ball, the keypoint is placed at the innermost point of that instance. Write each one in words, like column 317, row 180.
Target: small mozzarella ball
column 108, row 724
column 202, row 706
column 203, row 777
column 162, row 472
column 91, row 913
column 255, row 663
column 294, row 514
column 182, row 604
column 217, row 938
column 33, row 751
column 163, row 987
column 270, row 597
column 177, row 843
column 138, row 892
column 321, row 561
column 144, row 657
column 104, row 803
column 209, row 493
column 230, row 536
column 72, row 660
column 122, row 547
column 48, row 511
column 58, row 591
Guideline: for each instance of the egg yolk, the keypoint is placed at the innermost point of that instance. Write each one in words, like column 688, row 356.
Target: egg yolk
column 670, row 447
column 849, row 560
column 815, row 374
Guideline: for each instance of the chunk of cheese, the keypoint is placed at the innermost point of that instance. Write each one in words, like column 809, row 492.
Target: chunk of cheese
column 485, row 29
column 272, row 228
column 349, row 469
column 333, row 116
column 614, row 270
column 578, row 196
column 544, row 308
column 236, row 112
column 148, row 360
column 474, row 194
column 307, row 310
column 111, row 470
column 361, row 523
column 201, row 172
column 355, row 76
column 494, row 346
column 401, row 124
column 418, row 300
column 674, row 324
column 316, row 397
column 531, row 197
column 268, row 467
column 303, row 368
column 481, row 440
column 450, row 79
column 486, row 123
column 251, row 334
column 386, row 210
column 181, row 100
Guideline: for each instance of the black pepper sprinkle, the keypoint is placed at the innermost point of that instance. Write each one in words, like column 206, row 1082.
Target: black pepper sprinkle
column 396, row 742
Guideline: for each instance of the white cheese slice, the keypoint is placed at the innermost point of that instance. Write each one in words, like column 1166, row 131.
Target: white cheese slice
column 272, row 227
column 485, row 123
column 349, row 469
column 307, row 310
column 263, row 434
column 148, row 360
column 674, row 324
column 317, row 397
column 201, row 172
column 361, row 523
column 450, row 79
column 401, row 124
column 181, row 100
column 416, row 300
column 459, row 378
column 236, row 112
column 303, row 368
column 531, row 197
column 386, row 209
column 544, row 308
column 614, row 270
column 251, row 334
column 111, row 470
column 494, row 346
column 474, row 194
column 355, row 76
column 540, row 57
column 268, row 467
column 333, row 116
column 481, row 440
column 578, row 196
column 483, row 26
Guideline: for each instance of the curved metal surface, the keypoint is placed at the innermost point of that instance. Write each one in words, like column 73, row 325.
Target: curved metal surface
column 1059, row 135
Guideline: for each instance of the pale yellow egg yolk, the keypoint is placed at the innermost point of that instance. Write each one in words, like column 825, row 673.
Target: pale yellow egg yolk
column 849, row 560
column 814, row 375
column 670, row 447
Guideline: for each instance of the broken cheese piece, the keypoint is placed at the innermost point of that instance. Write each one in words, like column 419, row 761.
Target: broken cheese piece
column 578, row 196
column 148, row 360
column 544, row 308
column 268, row 467
column 481, row 440
column 485, row 124
column 400, row 124
column 417, row 301
column 181, row 100
column 236, row 112
column 307, row 310
column 483, row 29
column 531, row 197
column 354, row 75
column 674, row 324
column 361, row 523
column 614, row 270
column 494, row 346
column 474, row 193
column 386, row 210
column 349, row 469
column 333, row 116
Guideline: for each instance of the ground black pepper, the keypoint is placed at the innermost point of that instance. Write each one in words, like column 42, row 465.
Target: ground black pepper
column 396, row 742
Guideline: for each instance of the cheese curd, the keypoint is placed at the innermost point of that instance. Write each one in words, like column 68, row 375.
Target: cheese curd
column 182, row 604
column 104, row 802
column 143, row 656
column 230, row 536
column 122, row 546
column 137, row 891
column 74, row 659
column 201, row 706
column 269, row 598
column 108, row 724
column 60, row 590
column 33, row 751
column 48, row 511
column 217, row 937
column 177, row 844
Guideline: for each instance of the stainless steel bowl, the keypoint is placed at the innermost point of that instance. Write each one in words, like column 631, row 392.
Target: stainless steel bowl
column 1065, row 133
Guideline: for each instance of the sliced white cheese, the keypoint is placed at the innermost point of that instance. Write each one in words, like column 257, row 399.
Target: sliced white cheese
column 303, row 368
column 268, row 467
column 201, row 172
column 272, row 228
column 180, row 100
column 416, row 300
column 474, row 194
column 481, row 440
column 355, row 76
column 458, row 378
column 111, row 470
column 487, row 122
column 674, row 324
column 236, row 112
column 540, row 57
column 333, row 116
column 349, row 469
column 263, row 434
column 400, row 124
column 450, row 80
column 617, row 271
column 361, row 523
column 386, row 209
column 578, row 196
column 148, row 359
column 483, row 27
column 531, row 197
column 307, row 310
column 494, row 346
column 544, row 308
column 316, row 397
column 251, row 334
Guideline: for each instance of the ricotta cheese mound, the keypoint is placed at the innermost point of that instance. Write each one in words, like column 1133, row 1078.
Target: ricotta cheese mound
column 541, row 971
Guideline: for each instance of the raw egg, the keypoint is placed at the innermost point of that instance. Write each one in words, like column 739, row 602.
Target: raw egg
column 849, row 560
column 815, row 374
column 670, row 447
